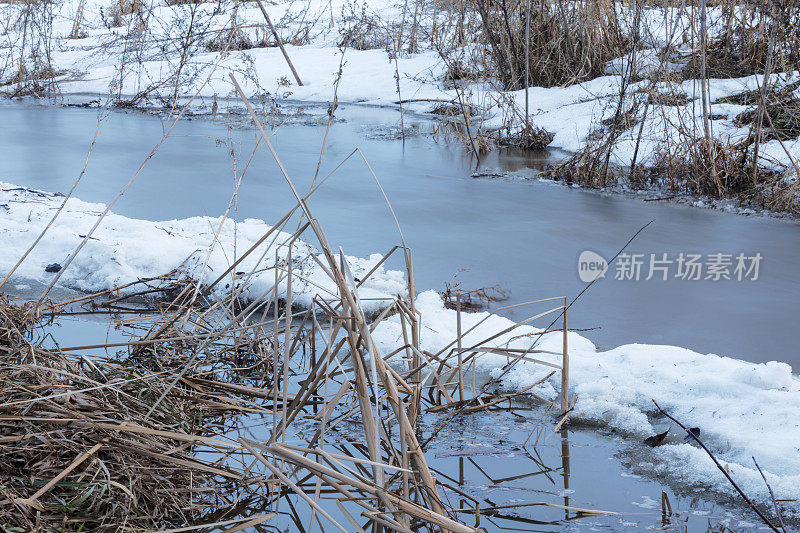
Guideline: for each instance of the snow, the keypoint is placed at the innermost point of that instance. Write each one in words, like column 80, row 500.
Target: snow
column 743, row 409
column 103, row 62
column 574, row 113
column 640, row 64
column 123, row 250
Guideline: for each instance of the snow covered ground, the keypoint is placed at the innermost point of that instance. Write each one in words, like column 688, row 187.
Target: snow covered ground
column 96, row 61
column 742, row 409
column 123, row 250
column 138, row 56
column 572, row 114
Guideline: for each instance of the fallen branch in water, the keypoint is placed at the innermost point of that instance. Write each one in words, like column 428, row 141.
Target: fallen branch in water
column 771, row 496
column 721, row 469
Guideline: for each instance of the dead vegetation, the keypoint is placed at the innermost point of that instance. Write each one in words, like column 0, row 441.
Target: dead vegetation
column 455, row 296
column 756, row 36
column 165, row 433
column 97, row 445
column 216, row 410
column 748, row 38
column 550, row 43
column 530, row 138
column 782, row 107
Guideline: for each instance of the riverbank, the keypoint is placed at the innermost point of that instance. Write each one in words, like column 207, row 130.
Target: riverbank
column 745, row 410
column 197, row 251
column 642, row 103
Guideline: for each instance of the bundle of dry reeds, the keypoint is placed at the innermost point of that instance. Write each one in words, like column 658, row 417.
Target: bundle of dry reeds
column 217, row 408
column 92, row 445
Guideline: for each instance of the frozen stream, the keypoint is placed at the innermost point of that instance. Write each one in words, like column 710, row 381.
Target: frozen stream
column 522, row 234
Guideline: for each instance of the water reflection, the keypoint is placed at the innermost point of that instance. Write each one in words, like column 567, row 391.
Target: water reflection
column 565, row 469
column 494, row 473
column 512, row 471
column 525, row 236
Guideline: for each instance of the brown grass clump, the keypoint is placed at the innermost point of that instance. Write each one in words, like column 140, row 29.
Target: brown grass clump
column 569, row 42
column 455, row 296
column 80, row 448
column 585, row 168
column 534, row 138
column 696, row 169
column 722, row 61
column 785, row 117
column 780, row 104
column 782, row 195
column 457, row 73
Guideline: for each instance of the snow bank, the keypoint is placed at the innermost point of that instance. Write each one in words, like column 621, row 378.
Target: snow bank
column 124, row 249
column 574, row 115
column 743, row 409
column 99, row 60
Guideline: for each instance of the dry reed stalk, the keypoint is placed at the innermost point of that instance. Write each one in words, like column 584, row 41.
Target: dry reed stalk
column 279, row 41
column 90, row 450
column 190, row 358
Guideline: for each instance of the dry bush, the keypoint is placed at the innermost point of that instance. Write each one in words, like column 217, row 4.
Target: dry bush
column 779, row 103
column 783, row 194
column 233, row 40
column 534, row 138
column 122, row 8
column 362, row 31
column 167, row 41
column 28, row 69
column 757, row 34
column 695, row 167
column 80, row 450
column 569, row 42
column 585, row 168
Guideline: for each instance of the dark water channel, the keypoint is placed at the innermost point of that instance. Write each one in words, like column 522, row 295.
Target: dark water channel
column 523, row 235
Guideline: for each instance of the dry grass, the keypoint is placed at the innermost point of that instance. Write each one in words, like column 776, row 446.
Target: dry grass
column 188, row 422
column 585, row 168
column 88, row 445
column 756, row 34
column 532, row 138
column 568, row 43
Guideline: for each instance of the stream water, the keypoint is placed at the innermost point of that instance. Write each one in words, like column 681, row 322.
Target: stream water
column 522, row 234
column 524, row 476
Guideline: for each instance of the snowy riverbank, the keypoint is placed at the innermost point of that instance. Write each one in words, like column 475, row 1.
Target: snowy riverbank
column 123, row 250
column 743, row 409
column 163, row 51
